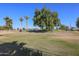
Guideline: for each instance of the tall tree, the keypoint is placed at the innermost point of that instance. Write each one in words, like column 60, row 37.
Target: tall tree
column 56, row 20
column 26, row 17
column 21, row 20
column 77, row 22
column 9, row 22
column 45, row 19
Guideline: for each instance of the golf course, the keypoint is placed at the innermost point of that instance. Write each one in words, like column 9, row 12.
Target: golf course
column 49, row 43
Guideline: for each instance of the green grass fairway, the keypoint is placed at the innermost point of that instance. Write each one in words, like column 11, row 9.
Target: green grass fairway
column 50, row 43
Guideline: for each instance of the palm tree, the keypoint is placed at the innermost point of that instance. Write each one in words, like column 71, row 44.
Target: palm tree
column 6, row 20
column 21, row 19
column 26, row 17
column 9, row 23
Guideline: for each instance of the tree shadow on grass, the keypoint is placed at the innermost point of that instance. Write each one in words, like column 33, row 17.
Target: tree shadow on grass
column 17, row 49
column 38, row 31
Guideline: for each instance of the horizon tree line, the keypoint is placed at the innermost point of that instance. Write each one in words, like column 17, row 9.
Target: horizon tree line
column 9, row 23
column 43, row 18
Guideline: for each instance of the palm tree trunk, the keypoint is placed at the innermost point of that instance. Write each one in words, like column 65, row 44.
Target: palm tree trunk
column 21, row 27
column 26, row 25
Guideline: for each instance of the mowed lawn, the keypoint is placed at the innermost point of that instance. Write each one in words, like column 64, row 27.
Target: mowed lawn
column 50, row 43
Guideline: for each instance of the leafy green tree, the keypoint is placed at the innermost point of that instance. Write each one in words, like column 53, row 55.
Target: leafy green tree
column 56, row 20
column 37, row 19
column 26, row 17
column 9, row 23
column 46, row 19
column 77, row 22
column 63, row 27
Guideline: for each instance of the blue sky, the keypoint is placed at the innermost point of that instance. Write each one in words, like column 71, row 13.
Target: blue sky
column 68, row 13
